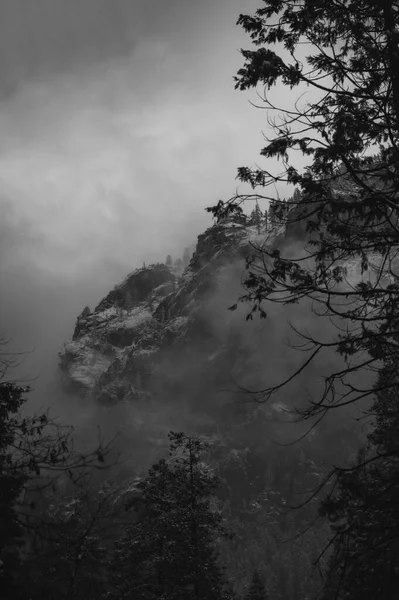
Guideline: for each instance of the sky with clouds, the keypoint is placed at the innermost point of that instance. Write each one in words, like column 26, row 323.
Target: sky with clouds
column 119, row 124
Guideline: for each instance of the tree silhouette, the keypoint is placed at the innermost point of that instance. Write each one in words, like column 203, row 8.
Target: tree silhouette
column 364, row 509
column 169, row 553
column 347, row 198
column 345, row 215
column 34, row 452
column 256, row 217
column 186, row 257
column 178, row 264
column 70, row 558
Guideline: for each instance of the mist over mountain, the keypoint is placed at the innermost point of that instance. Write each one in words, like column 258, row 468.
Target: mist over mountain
column 162, row 351
column 98, row 104
column 194, row 409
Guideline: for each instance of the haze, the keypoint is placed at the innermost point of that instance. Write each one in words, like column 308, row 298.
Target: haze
column 119, row 125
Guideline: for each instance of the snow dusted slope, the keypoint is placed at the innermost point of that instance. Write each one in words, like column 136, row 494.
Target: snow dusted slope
column 116, row 349
column 161, row 334
column 104, row 339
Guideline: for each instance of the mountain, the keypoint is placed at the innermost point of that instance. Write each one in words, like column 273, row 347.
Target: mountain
column 162, row 328
column 163, row 345
column 158, row 316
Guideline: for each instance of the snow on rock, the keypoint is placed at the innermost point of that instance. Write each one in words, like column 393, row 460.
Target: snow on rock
column 83, row 365
column 153, row 332
column 116, row 349
column 156, row 335
column 137, row 286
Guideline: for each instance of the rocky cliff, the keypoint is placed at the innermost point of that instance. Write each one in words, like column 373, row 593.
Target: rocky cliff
column 164, row 333
column 159, row 328
column 163, row 350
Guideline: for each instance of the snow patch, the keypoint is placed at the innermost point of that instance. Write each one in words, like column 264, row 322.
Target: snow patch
column 137, row 316
column 178, row 323
column 87, row 370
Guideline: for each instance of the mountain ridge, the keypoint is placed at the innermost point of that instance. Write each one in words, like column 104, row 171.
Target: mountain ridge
column 164, row 346
column 159, row 310
column 150, row 307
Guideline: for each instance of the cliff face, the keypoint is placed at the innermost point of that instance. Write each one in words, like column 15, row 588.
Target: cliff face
column 163, row 333
column 162, row 350
column 159, row 331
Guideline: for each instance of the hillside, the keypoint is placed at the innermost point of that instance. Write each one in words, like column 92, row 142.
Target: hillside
column 118, row 349
column 164, row 345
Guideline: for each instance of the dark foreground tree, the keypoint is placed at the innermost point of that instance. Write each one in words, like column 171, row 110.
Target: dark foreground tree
column 169, row 552
column 255, row 217
column 34, row 452
column 345, row 52
column 364, row 511
column 69, row 559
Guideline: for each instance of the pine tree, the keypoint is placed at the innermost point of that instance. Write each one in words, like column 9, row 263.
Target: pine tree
column 348, row 202
column 257, row 590
column 12, row 482
column 178, row 264
column 349, row 210
column 256, row 217
column 169, row 261
column 79, row 530
column 34, row 450
column 272, row 213
column 364, row 508
column 186, row 257
column 296, row 196
column 169, row 553
column 128, row 301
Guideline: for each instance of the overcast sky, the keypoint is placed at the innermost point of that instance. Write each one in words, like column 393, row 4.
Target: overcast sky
column 119, row 124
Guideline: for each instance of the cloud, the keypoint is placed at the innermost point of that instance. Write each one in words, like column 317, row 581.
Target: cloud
column 118, row 127
column 45, row 37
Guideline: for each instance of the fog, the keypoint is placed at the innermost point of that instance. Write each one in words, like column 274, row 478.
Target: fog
column 119, row 125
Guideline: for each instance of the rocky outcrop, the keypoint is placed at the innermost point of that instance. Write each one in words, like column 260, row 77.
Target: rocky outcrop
column 159, row 335
column 82, row 323
column 162, row 344
column 137, row 286
column 118, row 351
